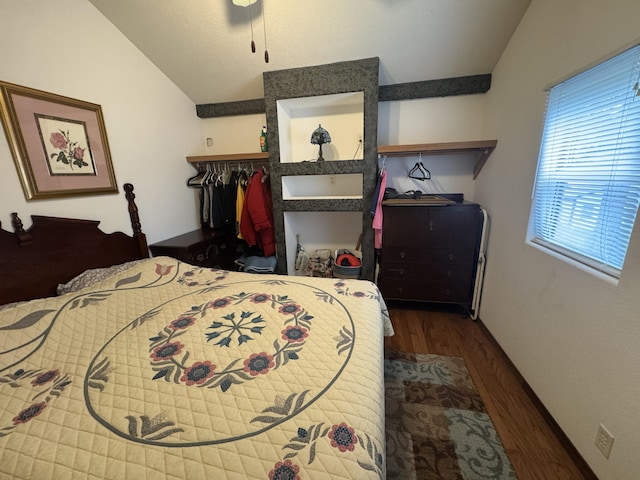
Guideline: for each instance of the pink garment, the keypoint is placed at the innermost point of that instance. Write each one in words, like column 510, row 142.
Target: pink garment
column 377, row 218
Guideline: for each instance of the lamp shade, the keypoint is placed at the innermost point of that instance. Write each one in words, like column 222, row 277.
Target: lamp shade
column 243, row 3
column 320, row 136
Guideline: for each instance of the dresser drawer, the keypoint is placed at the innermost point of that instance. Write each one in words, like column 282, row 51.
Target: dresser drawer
column 426, row 272
column 430, row 256
column 425, row 290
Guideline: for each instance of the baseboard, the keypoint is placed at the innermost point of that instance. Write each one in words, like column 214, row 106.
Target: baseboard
column 582, row 465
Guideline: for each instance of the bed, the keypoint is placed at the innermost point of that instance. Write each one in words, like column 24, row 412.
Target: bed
column 154, row 368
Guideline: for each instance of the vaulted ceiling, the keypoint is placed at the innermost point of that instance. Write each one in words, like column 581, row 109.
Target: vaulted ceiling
column 203, row 46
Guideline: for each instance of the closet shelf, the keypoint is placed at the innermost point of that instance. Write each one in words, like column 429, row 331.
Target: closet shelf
column 231, row 157
column 324, row 205
column 323, row 168
column 483, row 148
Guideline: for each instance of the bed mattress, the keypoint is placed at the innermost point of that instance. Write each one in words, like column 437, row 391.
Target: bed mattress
column 172, row 371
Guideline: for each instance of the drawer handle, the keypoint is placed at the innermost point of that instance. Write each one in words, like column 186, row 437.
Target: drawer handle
column 397, row 270
column 402, row 255
column 430, row 224
column 451, row 257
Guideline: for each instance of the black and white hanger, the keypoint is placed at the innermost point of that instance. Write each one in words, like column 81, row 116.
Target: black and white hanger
column 419, row 171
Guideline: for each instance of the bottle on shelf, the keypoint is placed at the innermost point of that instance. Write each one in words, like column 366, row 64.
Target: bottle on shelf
column 263, row 140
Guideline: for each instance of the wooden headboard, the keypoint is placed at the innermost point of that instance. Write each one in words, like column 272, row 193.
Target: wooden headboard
column 54, row 250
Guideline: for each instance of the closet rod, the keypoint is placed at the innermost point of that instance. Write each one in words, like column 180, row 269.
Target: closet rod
column 231, row 157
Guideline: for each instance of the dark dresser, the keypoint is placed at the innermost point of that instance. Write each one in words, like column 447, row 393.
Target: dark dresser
column 430, row 251
column 205, row 248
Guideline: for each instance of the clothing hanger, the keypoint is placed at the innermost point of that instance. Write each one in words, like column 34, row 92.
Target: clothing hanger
column 419, row 171
column 207, row 175
column 226, row 177
column 218, row 173
column 197, row 178
column 215, row 179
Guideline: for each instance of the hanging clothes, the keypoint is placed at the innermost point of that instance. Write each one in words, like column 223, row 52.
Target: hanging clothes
column 376, row 193
column 215, row 207
column 203, row 196
column 217, row 197
column 226, row 198
column 240, row 190
column 377, row 218
column 256, row 223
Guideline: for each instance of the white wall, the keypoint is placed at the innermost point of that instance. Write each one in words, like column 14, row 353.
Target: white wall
column 240, row 134
column 574, row 336
column 67, row 47
column 432, row 120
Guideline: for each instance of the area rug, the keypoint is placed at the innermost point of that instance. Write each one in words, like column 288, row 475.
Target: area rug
column 436, row 423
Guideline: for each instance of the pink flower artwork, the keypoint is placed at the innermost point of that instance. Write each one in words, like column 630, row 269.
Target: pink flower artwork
column 70, row 153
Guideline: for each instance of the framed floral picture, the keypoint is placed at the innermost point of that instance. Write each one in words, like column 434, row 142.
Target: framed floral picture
column 59, row 144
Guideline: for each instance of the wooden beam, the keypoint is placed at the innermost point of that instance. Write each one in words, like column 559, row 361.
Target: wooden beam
column 444, row 87
column 231, row 109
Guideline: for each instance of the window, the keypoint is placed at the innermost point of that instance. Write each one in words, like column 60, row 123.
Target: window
column 587, row 187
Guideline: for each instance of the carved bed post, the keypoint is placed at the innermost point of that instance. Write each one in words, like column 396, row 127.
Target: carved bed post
column 16, row 223
column 135, row 219
column 23, row 237
column 133, row 208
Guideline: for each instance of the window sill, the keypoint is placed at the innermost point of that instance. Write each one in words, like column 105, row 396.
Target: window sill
column 575, row 263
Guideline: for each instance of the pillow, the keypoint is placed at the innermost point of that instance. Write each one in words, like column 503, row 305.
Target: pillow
column 92, row 276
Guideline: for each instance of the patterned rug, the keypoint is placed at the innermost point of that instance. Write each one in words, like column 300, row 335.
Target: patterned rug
column 436, row 423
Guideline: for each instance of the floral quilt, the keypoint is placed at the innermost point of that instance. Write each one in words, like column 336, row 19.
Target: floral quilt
column 171, row 371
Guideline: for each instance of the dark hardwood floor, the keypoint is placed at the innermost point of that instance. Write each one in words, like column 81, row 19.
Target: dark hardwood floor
column 535, row 448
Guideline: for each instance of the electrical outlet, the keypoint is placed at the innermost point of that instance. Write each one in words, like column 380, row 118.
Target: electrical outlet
column 604, row 441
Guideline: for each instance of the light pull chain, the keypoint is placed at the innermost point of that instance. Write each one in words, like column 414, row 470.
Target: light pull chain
column 264, row 27
column 253, row 44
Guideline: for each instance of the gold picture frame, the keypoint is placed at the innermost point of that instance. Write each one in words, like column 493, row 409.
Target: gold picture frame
column 59, row 144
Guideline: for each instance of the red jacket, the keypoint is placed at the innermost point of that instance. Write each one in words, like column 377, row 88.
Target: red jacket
column 256, row 223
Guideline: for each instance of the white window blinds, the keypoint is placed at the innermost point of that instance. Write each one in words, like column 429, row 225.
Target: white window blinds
column 587, row 187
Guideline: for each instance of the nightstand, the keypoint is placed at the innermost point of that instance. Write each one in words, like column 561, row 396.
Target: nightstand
column 204, row 248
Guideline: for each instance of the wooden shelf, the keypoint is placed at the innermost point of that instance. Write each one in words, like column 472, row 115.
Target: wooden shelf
column 231, row 157
column 483, row 148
